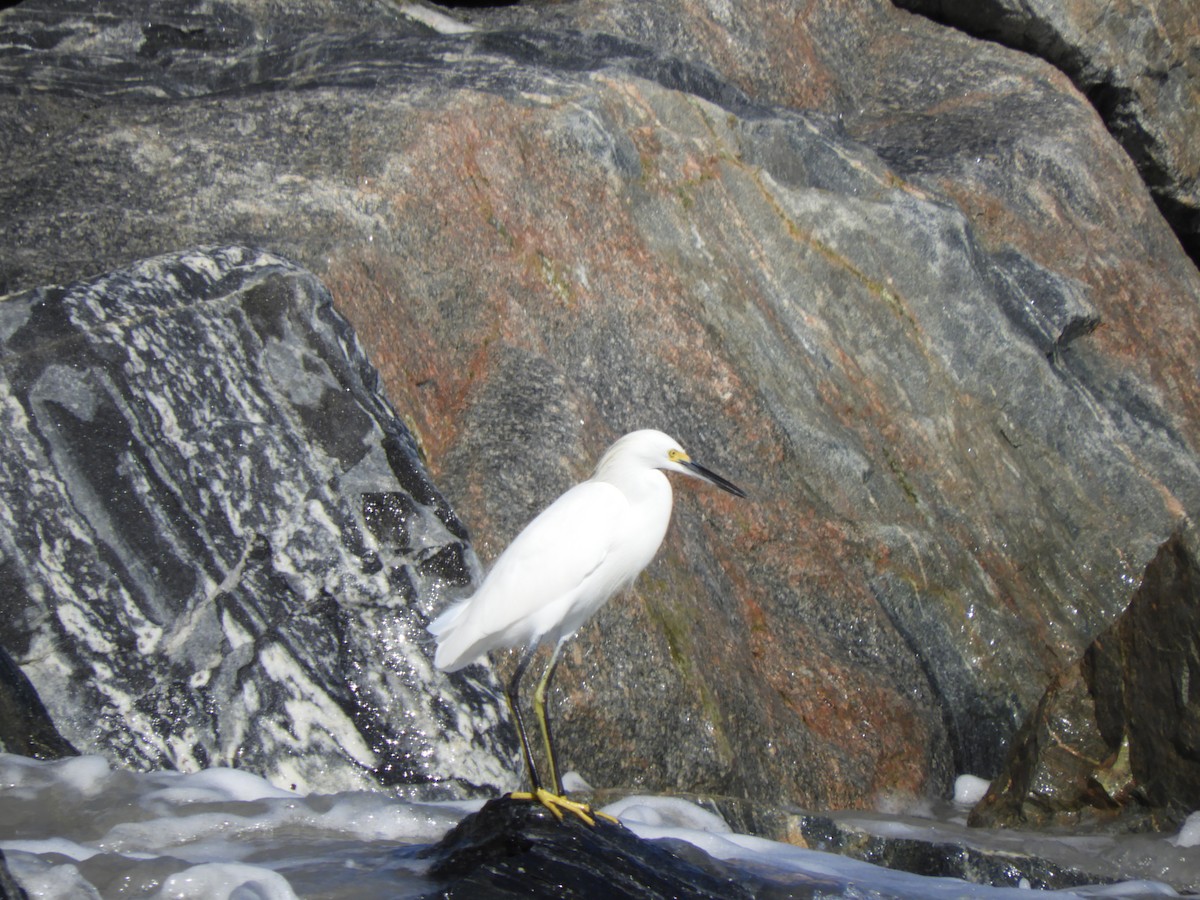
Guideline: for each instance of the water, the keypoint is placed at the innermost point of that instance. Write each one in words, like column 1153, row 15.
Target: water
column 77, row 828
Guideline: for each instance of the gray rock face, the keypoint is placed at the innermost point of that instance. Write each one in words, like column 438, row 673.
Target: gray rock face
column 1138, row 62
column 900, row 284
column 218, row 538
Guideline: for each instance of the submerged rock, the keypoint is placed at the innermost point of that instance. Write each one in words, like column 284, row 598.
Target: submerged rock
column 220, row 545
column 942, row 858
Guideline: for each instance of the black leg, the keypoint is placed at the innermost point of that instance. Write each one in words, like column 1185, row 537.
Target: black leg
column 556, row 802
column 512, row 693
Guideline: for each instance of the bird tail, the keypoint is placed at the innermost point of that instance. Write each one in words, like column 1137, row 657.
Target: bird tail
column 446, row 620
column 447, row 630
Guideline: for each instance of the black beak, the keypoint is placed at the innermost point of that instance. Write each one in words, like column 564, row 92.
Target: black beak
column 713, row 478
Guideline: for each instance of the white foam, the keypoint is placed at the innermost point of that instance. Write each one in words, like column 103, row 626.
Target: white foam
column 59, row 846
column 666, row 812
column 573, row 781
column 219, row 784
column 1133, row 890
column 226, row 881
column 1189, row 834
column 84, row 775
column 438, row 21
column 48, row 881
column 969, row 789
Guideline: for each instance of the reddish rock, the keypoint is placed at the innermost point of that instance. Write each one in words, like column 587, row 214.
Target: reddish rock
column 898, row 283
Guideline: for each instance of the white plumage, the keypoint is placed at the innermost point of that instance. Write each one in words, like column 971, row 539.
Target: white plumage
column 581, row 550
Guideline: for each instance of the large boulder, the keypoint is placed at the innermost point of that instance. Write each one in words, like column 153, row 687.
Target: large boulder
column 219, row 542
column 900, row 284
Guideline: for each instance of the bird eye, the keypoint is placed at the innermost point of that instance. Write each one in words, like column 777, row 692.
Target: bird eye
column 677, row 456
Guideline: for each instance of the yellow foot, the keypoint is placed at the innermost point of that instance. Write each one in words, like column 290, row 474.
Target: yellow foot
column 557, row 804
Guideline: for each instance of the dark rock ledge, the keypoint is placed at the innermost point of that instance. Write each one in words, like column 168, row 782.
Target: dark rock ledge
column 516, row 849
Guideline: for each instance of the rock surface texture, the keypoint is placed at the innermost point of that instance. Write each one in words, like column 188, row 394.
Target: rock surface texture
column 1118, row 736
column 900, row 284
column 215, row 531
column 1139, row 64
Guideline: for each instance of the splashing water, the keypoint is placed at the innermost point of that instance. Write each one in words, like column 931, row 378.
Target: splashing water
column 77, row 828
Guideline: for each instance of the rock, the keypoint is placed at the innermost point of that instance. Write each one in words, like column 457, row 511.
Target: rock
column 1053, row 773
column 512, row 848
column 942, row 858
column 9, row 889
column 25, row 726
column 924, row 309
column 1136, row 61
column 1116, row 738
column 517, row 849
column 221, row 545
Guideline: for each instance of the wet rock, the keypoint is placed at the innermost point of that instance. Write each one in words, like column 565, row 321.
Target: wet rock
column 1115, row 740
column 25, row 726
column 900, row 284
column 517, row 849
column 1053, row 774
column 943, row 858
column 512, row 849
column 9, row 889
column 212, row 556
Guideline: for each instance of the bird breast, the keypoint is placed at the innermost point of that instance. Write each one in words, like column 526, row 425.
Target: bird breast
column 636, row 538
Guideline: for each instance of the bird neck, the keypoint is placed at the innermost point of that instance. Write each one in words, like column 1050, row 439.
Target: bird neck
column 639, row 484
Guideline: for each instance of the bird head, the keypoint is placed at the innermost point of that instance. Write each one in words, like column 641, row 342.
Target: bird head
column 653, row 449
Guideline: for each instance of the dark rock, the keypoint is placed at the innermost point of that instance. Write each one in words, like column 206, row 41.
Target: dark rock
column 517, row 849
column 900, row 284
column 514, row 848
column 1052, row 774
column 25, row 726
column 1051, row 310
column 205, row 521
column 1115, row 739
column 944, row 858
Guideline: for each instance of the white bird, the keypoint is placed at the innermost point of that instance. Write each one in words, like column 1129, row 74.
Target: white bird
column 589, row 544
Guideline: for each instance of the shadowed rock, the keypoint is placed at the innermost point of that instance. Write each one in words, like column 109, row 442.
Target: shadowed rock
column 1116, row 738
column 25, row 726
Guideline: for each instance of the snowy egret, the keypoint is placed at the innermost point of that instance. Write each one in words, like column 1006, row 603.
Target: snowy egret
column 581, row 550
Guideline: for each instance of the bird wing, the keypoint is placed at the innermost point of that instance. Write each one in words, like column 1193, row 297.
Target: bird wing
column 549, row 559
